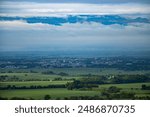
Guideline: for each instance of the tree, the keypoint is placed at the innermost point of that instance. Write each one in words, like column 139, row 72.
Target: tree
column 143, row 87
column 63, row 74
column 113, row 89
column 47, row 97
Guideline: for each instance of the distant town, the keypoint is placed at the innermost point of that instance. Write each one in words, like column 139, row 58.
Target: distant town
column 123, row 63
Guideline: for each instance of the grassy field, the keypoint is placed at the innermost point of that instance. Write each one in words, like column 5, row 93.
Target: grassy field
column 40, row 93
column 79, row 71
column 34, row 83
column 37, row 76
column 28, row 76
column 96, row 71
column 76, row 73
column 63, row 92
column 130, row 87
column 73, row 73
column 124, row 86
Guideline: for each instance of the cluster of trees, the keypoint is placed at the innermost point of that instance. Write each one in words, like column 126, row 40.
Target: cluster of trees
column 145, row 87
column 8, row 78
column 142, row 98
column 97, row 80
column 84, row 83
column 32, row 87
column 3, row 77
column 53, row 73
column 116, row 93
column 57, row 79
column 120, row 79
column 15, row 98
column 96, row 97
column 47, row 97
column 63, row 74
column 48, row 72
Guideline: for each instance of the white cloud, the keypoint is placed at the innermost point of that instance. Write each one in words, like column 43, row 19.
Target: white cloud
column 47, row 9
column 73, row 36
column 22, row 25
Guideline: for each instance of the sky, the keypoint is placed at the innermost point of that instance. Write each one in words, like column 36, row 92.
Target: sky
column 22, row 35
column 83, row 1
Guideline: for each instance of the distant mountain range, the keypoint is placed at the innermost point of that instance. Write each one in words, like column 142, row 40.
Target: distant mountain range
column 103, row 19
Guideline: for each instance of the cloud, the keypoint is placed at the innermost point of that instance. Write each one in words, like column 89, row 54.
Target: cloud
column 22, row 25
column 73, row 36
column 83, row 1
column 20, row 35
column 48, row 9
column 86, row 26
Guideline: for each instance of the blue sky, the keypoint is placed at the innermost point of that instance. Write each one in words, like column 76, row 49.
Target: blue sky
column 20, row 35
column 84, row 1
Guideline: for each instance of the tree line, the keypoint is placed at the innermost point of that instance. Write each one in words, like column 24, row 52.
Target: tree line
column 8, row 87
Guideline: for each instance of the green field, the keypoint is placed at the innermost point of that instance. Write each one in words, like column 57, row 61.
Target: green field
column 73, row 73
column 28, row 76
column 34, row 83
column 40, row 93
column 96, row 71
column 130, row 87
column 61, row 93
column 28, row 79
column 76, row 71
column 124, row 86
column 36, row 76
